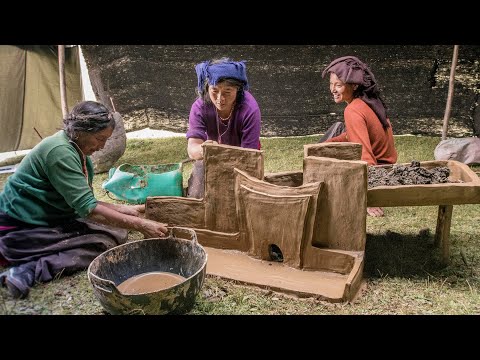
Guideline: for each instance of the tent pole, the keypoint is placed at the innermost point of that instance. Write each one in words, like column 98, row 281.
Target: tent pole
column 450, row 92
column 63, row 87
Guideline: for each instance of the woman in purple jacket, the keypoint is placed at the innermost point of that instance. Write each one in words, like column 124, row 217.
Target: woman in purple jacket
column 225, row 113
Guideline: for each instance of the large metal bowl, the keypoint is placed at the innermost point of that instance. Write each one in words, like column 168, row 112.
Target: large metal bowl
column 178, row 253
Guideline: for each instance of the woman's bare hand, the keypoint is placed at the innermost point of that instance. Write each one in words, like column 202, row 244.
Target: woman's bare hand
column 375, row 211
column 139, row 210
column 132, row 210
column 153, row 229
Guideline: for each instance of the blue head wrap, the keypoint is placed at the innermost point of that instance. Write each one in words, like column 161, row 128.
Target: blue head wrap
column 216, row 72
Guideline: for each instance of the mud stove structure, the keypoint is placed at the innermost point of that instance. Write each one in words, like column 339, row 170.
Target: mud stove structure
column 300, row 232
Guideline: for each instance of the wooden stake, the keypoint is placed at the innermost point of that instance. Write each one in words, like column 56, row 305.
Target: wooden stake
column 113, row 106
column 450, row 92
column 61, row 72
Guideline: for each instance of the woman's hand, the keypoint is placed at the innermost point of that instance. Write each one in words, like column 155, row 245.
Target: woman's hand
column 375, row 211
column 132, row 210
column 139, row 210
column 195, row 148
column 128, row 217
column 153, row 229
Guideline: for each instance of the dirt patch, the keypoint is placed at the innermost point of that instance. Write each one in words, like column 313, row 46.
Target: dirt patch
column 412, row 174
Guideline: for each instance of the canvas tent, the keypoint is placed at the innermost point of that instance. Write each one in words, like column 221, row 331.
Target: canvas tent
column 30, row 93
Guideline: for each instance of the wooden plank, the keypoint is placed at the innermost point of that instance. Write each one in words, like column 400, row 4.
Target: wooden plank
column 466, row 192
column 424, row 195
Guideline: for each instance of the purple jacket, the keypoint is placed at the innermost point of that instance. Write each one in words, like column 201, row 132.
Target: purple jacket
column 242, row 130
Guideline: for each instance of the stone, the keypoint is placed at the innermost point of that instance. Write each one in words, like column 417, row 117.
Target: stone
column 104, row 159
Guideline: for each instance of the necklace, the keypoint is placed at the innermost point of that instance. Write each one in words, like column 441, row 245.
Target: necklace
column 219, row 118
column 229, row 115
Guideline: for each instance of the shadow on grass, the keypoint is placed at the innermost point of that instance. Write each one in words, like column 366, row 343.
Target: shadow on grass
column 401, row 255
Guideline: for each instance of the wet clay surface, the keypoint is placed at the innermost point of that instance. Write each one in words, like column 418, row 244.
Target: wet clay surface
column 275, row 276
column 149, row 282
column 412, row 174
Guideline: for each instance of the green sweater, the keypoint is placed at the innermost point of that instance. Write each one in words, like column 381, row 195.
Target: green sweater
column 49, row 185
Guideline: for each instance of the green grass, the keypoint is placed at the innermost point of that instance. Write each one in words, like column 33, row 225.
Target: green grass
column 403, row 271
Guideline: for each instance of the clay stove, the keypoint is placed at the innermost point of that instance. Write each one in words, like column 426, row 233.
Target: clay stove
column 300, row 232
column 294, row 232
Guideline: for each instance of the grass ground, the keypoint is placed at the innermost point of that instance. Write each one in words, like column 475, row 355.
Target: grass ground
column 403, row 272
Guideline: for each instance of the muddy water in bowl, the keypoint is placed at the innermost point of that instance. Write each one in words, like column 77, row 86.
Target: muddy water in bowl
column 150, row 282
column 178, row 254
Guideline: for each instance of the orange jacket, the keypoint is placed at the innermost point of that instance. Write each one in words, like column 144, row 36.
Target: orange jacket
column 364, row 127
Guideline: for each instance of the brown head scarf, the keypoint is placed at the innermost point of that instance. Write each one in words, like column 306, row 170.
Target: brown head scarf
column 351, row 70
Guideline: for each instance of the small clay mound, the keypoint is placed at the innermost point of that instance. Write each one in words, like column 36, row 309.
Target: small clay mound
column 412, row 174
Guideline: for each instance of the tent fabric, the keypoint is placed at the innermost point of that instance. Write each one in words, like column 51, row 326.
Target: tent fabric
column 30, row 93
column 12, row 85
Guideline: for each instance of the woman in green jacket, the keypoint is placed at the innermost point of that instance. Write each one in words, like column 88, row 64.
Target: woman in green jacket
column 50, row 220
